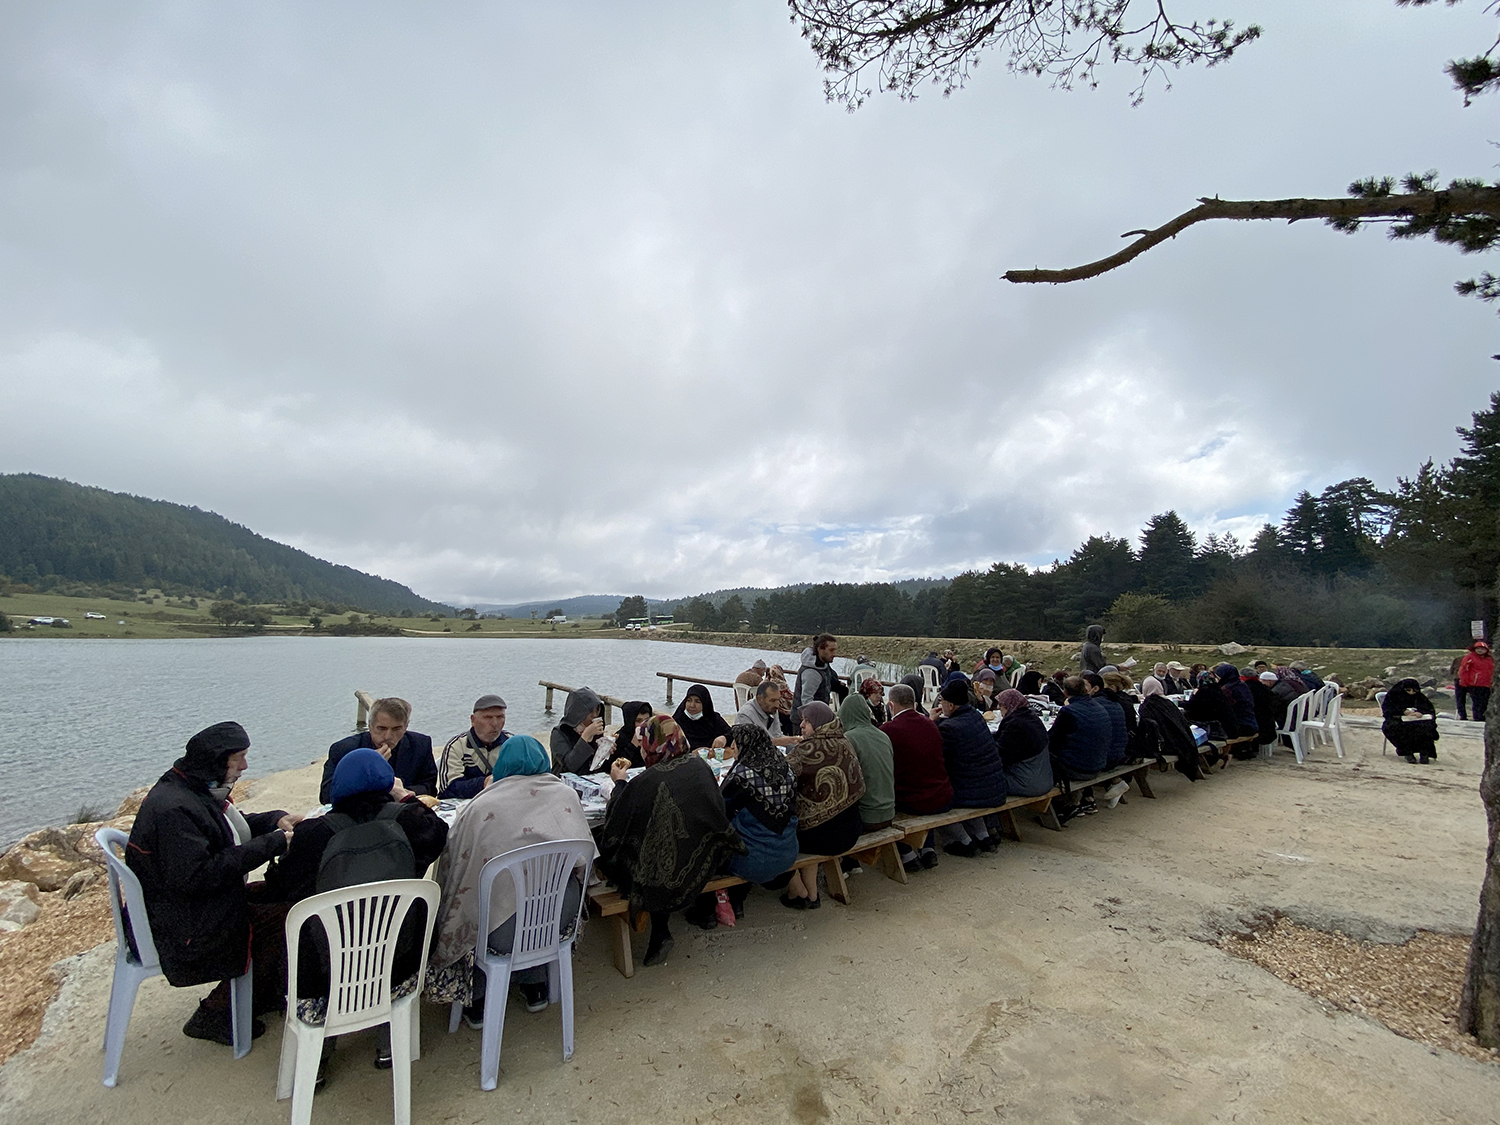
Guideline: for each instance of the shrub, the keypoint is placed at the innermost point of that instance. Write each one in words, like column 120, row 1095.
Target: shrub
column 1142, row 618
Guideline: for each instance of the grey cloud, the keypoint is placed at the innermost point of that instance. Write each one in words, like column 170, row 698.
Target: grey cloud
column 507, row 302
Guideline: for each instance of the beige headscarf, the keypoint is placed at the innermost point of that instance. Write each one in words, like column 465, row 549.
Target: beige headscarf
column 513, row 812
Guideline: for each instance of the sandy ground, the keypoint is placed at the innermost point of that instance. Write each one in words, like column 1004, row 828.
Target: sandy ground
column 1074, row 977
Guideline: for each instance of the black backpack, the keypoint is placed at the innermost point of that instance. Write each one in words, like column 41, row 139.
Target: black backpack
column 370, row 852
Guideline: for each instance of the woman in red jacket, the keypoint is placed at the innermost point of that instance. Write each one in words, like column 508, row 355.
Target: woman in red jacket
column 1475, row 672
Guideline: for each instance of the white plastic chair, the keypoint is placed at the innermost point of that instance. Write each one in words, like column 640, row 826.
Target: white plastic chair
column 929, row 676
column 1016, row 673
column 1323, row 717
column 1380, row 702
column 1315, row 709
column 859, row 677
column 1294, row 727
column 362, row 924
column 742, row 694
column 125, row 888
column 540, row 874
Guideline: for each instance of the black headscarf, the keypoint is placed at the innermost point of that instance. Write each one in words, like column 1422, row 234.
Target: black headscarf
column 761, row 775
column 1405, row 694
column 630, row 716
column 208, row 751
column 665, row 834
column 703, row 730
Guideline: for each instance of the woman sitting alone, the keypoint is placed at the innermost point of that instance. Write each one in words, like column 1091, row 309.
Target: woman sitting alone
column 664, row 834
column 829, row 787
column 523, row 804
column 1410, row 721
column 704, row 727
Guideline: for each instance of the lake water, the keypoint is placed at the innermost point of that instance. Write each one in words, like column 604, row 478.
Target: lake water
column 87, row 721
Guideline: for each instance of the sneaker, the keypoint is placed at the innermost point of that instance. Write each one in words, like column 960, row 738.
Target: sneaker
column 851, row 866
column 1113, row 794
column 968, row 851
column 474, row 1016
column 534, row 996
column 214, row 1026
column 929, row 857
column 1089, row 807
column 988, row 844
column 383, row 1057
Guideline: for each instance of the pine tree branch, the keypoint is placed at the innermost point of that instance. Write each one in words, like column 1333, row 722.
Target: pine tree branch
column 1472, row 201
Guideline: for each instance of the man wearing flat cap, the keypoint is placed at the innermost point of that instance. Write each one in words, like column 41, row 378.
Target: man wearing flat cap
column 468, row 759
column 409, row 753
column 191, row 849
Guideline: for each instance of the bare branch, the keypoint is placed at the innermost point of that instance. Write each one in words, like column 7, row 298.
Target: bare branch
column 1427, row 206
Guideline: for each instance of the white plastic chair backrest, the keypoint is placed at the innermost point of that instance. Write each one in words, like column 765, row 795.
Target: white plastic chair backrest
column 1380, row 698
column 1016, row 673
column 929, row 676
column 540, row 874
column 1335, row 709
column 362, row 924
column 742, row 694
column 860, row 676
column 1318, row 701
column 124, row 884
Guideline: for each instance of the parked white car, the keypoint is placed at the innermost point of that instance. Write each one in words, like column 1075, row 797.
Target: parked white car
column 92, row 616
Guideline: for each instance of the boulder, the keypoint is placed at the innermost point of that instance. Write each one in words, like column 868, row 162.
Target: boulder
column 80, row 881
column 1232, row 649
column 13, row 890
column 49, row 857
column 132, row 804
column 20, row 913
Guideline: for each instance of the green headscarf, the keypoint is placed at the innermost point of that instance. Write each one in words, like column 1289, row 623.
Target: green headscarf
column 520, row 753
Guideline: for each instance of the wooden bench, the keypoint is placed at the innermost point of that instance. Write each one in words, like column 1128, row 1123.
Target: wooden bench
column 877, row 848
column 914, row 829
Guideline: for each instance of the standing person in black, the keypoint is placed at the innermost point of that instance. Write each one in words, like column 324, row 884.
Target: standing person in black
column 409, row 753
column 191, row 850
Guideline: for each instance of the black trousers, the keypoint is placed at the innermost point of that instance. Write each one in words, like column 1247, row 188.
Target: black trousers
column 1478, row 696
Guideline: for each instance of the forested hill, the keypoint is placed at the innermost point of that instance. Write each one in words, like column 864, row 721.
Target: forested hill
column 58, row 532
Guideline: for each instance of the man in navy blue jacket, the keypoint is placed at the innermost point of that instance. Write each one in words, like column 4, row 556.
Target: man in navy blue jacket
column 409, row 753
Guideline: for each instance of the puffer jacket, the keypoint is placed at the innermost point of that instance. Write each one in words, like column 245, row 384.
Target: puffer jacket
column 973, row 760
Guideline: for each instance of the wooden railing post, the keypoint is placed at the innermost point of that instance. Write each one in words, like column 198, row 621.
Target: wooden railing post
column 549, row 701
column 669, row 691
column 363, row 701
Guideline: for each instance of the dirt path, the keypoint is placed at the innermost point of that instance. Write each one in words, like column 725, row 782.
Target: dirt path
column 1072, row 977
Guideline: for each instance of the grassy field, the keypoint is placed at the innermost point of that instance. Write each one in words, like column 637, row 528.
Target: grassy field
column 155, row 616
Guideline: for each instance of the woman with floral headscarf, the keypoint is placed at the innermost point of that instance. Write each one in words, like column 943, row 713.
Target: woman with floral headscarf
column 663, row 741
column 1022, row 741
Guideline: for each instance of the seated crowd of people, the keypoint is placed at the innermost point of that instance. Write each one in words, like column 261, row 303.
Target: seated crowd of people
column 810, row 765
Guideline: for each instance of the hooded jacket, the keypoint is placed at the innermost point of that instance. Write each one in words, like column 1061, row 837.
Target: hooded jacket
column 1476, row 670
column 877, row 807
column 192, row 869
column 972, row 759
column 1092, row 657
column 815, row 681
column 570, row 754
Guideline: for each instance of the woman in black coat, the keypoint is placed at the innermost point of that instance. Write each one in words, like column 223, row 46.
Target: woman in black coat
column 1413, row 735
column 1169, row 727
column 191, row 850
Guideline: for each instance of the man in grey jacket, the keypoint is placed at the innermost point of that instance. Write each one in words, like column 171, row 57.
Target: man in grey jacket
column 816, row 679
column 1092, row 657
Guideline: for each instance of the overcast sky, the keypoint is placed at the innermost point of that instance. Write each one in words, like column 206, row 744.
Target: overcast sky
column 517, row 300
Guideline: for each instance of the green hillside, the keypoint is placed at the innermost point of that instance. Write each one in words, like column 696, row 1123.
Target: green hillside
column 57, row 533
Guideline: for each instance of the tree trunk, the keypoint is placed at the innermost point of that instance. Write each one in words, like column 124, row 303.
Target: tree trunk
column 1479, row 1008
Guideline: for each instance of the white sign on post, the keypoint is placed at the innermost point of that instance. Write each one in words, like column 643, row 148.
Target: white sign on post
column 1476, row 630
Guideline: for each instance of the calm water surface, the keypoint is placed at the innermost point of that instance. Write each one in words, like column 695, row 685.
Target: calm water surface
column 86, row 721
